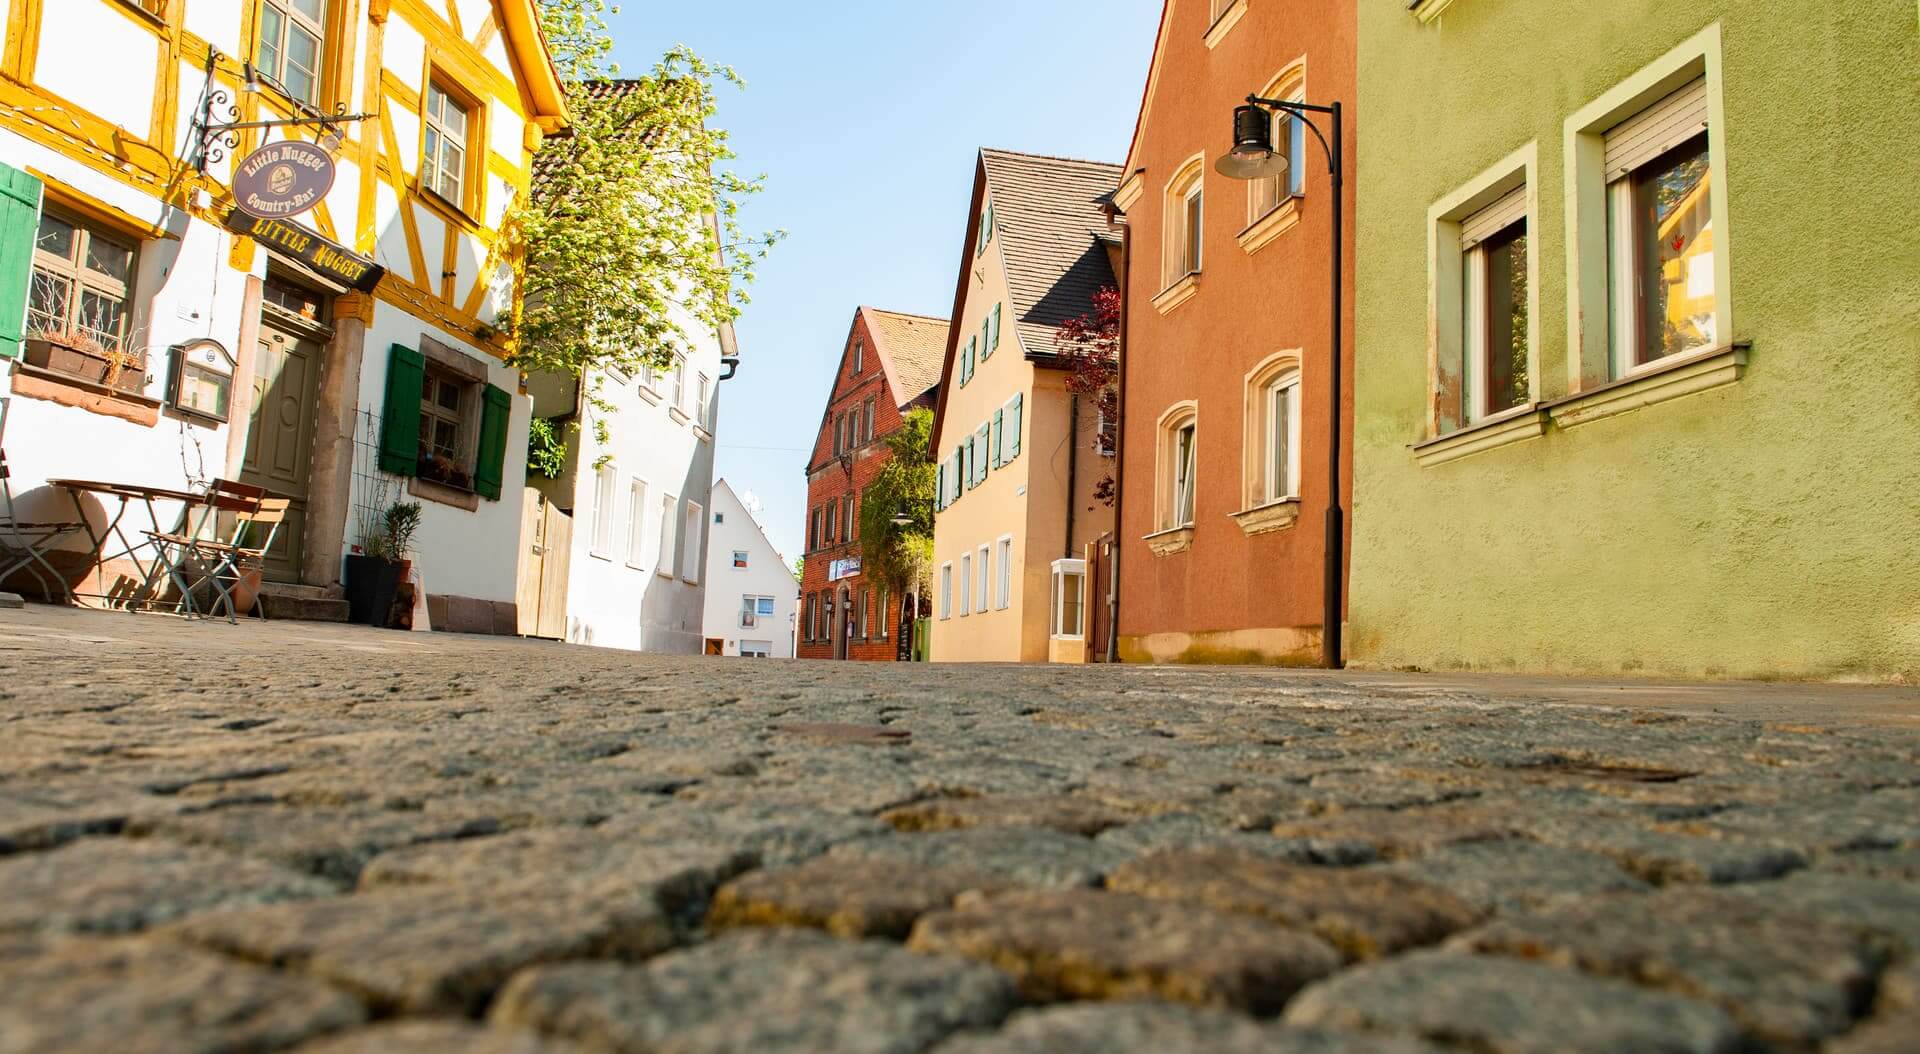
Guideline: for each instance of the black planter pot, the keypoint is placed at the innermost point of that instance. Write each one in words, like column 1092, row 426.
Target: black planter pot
column 371, row 583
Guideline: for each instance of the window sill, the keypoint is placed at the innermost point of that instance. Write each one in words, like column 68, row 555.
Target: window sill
column 1178, row 293
column 1224, row 24
column 679, row 416
column 668, row 575
column 453, row 213
column 1167, row 543
column 1656, row 383
column 33, row 382
column 701, row 431
column 1265, row 519
column 648, row 394
column 1279, row 220
column 443, row 494
column 1513, row 426
column 153, row 17
column 600, row 556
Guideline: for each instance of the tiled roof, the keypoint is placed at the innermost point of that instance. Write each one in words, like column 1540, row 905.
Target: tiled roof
column 1051, row 227
column 543, row 166
column 912, row 346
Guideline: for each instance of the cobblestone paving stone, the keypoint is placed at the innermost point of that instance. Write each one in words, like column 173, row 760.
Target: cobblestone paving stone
column 371, row 842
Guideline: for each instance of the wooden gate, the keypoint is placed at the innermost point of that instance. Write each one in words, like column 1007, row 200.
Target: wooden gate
column 541, row 597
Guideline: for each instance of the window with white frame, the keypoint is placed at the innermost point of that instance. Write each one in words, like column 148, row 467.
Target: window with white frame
column 1069, row 598
column 1494, row 308
column 680, row 383
column 443, row 169
column 861, row 611
column 669, row 530
column 1281, row 443
column 881, row 612
column 291, row 35
column 1003, row 598
column 966, row 584
column 1661, row 267
column 1177, row 464
column 755, row 611
column 739, row 559
column 703, row 410
column 985, row 557
column 81, row 284
column 690, row 551
column 605, row 479
column 637, row 523
column 859, row 355
column 1186, row 210
column 1289, row 134
column 946, row 591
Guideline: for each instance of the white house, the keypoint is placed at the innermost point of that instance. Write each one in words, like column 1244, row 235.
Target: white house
column 753, row 601
column 153, row 333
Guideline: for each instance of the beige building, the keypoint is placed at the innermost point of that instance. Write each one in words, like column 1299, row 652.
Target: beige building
column 1018, row 462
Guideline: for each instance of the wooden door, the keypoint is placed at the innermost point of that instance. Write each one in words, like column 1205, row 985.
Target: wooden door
column 540, row 596
column 279, row 452
column 1099, row 617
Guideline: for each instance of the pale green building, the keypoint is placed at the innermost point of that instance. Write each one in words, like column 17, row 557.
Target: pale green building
column 1637, row 324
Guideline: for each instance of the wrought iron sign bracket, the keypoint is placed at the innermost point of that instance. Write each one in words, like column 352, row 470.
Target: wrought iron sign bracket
column 210, row 139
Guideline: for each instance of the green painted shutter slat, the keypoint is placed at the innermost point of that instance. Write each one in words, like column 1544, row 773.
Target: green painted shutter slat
column 986, row 337
column 400, row 419
column 19, row 229
column 940, row 495
column 1019, row 410
column 490, row 470
column 996, row 326
column 999, row 451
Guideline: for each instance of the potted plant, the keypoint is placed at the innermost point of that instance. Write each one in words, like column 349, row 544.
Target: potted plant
column 78, row 353
column 380, row 561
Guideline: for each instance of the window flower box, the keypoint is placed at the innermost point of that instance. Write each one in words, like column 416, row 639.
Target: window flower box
column 85, row 359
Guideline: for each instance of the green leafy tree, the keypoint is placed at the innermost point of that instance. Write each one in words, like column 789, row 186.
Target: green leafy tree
column 899, row 555
column 630, row 234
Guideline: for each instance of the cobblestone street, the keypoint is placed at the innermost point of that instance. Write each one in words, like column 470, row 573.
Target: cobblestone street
column 300, row 837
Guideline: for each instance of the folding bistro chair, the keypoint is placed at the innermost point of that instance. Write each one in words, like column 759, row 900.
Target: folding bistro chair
column 25, row 544
column 193, row 561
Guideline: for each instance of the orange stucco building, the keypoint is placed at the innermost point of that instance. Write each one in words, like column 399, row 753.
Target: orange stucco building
column 1225, row 396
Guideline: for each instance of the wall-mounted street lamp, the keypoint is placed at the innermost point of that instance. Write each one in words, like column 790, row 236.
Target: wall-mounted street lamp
column 1253, row 157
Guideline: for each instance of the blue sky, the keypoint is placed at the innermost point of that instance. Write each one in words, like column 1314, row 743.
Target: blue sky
column 865, row 115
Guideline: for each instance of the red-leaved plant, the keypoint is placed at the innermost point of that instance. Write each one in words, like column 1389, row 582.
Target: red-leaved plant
column 1091, row 346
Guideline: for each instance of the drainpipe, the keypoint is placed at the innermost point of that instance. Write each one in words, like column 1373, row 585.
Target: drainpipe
column 1119, row 447
column 1073, row 465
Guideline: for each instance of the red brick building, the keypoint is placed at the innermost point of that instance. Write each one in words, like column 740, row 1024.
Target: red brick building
column 890, row 365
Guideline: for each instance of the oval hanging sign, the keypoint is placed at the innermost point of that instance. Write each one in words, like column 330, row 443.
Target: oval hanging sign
column 282, row 179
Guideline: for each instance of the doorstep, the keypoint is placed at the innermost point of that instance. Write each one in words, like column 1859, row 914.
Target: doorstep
column 287, row 602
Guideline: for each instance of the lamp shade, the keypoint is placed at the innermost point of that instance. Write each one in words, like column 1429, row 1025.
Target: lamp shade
column 1252, row 156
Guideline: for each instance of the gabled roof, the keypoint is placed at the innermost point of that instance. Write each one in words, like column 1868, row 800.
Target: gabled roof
column 721, row 486
column 527, row 44
column 1050, row 222
column 910, row 348
column 1050, row 229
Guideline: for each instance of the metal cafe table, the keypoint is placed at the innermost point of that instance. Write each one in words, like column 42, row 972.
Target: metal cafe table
column 196, row 509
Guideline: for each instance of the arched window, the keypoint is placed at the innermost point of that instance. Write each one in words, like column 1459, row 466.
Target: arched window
column 1178, row 466
column 1271, row 454
column 1185, row 211
column 1289, row 134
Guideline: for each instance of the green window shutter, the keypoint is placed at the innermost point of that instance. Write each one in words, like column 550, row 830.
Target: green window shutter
column 996, row 326
column 1019, row 408
column 980, row 440
column 986, row 332
column 940, row 493
column 999, row 452
column 496, row 406
column 19, row 229
column 400, row 420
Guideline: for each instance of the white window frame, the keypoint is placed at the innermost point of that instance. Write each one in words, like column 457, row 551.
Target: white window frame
column 966, row 584
column 703, row 413
column 292, row 18
column 637, row 523
column 1178, row 229
column 449, row 184
column 680, row 383
column 1265, row 196
column 985, row 556
column 946, row 591
column 1591, row 285
column 693, row 532
column 669, row 534
column 859, row 356
column 1283, row 481
column 740, row 559
column 605, row 479
column 1004, row 598
column 1062, row 570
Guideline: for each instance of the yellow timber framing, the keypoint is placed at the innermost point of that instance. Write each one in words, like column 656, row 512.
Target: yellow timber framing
column 147, row 163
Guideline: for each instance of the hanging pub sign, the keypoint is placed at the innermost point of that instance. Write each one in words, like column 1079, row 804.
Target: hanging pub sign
column 282, row 179
column 331, row 260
